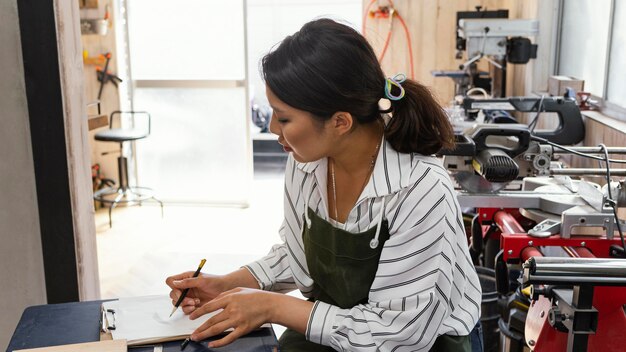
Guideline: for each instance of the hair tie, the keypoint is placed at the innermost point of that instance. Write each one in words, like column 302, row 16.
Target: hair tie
column 394, row 81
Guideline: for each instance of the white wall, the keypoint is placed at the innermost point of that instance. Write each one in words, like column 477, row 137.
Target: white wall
column 22, row 276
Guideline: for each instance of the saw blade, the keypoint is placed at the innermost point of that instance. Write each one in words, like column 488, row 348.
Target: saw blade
column 471, row 182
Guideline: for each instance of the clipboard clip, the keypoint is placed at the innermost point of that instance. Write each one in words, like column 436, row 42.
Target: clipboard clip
column 107, row 319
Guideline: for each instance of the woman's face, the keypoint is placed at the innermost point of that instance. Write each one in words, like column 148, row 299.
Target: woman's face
column 298, row 131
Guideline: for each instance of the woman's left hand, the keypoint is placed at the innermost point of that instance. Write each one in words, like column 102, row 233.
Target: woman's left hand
column 243, row 310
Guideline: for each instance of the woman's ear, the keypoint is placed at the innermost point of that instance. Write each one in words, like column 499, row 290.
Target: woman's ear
column 342, row 122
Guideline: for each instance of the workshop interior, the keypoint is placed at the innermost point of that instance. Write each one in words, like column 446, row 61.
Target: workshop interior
column 130, row 128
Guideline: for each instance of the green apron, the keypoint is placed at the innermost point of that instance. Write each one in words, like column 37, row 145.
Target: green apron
column 343, row 266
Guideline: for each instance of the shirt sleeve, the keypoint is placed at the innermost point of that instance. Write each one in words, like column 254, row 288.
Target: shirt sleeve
column 414, row 291
column 273, row 272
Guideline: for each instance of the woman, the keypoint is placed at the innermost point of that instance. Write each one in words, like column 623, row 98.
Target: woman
column 373, row 234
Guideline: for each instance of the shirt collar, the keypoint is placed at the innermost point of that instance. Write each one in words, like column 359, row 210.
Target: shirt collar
column 310, row 166
column 392, row 171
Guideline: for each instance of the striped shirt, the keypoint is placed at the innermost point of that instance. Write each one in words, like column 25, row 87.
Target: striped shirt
column 425, row 285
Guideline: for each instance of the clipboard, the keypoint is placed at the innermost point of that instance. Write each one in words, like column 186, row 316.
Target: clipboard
column 77, row 322
column 145, row 320
column 106, row 323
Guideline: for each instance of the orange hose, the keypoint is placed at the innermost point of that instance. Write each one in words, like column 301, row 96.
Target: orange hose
column 367, row 11
column 388, row 39
column 408, row 41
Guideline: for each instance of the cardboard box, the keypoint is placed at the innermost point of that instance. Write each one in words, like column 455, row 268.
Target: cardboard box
column 557, row 85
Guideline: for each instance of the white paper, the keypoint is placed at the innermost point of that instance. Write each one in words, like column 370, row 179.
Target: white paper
column 142, row 320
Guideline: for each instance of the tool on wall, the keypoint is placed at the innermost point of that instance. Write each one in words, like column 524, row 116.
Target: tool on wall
column 389, row 12
column 105, row 76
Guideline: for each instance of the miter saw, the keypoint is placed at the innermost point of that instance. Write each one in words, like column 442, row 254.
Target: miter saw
column 530, row 207
column 489, row 157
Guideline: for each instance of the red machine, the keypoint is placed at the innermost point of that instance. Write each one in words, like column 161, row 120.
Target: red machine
column 577, row 302
column 549, row 234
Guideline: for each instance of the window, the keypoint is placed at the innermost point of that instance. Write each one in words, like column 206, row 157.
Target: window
column 189, row 71
column 593, row 47
column 616, row 91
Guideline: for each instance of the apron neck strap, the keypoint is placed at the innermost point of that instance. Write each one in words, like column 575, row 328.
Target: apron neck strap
column 374, row 242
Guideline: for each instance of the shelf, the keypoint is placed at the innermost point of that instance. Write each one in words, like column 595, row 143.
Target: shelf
column 97, row 121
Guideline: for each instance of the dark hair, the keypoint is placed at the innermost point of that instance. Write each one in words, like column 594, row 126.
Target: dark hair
column 328, row 67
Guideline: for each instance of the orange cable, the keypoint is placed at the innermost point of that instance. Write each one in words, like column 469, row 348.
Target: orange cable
column 408, row 40
column 366, row 13
column 388, row 39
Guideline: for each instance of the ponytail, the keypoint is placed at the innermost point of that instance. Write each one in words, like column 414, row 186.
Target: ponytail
column 418, row 123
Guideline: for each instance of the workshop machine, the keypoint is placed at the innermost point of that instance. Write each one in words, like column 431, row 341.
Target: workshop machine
column 492, row 36
column 550, row 234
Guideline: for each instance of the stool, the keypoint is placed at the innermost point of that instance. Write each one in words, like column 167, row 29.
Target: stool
column 124, row 193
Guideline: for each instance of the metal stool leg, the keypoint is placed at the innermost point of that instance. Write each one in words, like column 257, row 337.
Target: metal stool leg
column 125, row 193
column 113, row 205
column 136, row 191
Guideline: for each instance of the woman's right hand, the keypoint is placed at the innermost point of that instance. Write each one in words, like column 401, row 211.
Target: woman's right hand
column 201, row 289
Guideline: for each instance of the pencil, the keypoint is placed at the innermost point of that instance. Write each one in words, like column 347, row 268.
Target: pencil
column 182, row 296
